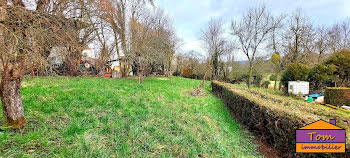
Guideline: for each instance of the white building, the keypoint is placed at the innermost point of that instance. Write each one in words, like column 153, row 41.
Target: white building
column 298, row 87
column 57, row 55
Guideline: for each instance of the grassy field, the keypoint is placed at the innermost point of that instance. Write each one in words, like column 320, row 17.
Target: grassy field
column 96, row 117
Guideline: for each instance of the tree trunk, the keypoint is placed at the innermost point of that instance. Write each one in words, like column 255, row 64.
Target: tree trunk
column 163, row 69
column 215, row 65
column 169, row 75
column 140, row 72
column 203, row 81
column 280, row 86
column 121, row 67
column 11, row 97
column 135, row 68
column 250, row 74
column 140, row 77
column 319, row 58
column 10, row 90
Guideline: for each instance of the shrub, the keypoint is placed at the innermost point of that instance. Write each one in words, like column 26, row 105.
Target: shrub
column 186, row 72
column 176, row 73
column 341, row 61
column 257, row 80
column 273, row 77
column 195, row 76
column 337, row 96
column 275, row 118
column 238, row 77
column 319, row 74
column 241, row 78
column 295, row 72
column 275, row 58
column 266, row 84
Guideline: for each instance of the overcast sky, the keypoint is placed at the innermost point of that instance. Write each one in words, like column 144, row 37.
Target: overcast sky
column 190, row 16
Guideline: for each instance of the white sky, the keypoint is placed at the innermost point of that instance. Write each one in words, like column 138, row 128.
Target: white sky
column 190, row 16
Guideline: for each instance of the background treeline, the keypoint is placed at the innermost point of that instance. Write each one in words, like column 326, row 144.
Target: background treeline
column 134, row 32
column 277, row 48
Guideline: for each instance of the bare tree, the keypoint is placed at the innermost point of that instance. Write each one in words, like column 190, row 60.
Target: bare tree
column 25, row 37
column 169, row 45
column 275, row 44
column 252, row 31
column 152, row 41
column 13, row 73
column 119, row 14
column 102, row 32
column 275, row 38
column 339, row 36
column 216, row 44
column 114, row 12
column 321, row 43
column 345, row 32
column 299, row 38
column 334, row 38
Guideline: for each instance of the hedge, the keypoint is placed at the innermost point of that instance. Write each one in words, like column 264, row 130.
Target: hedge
column 275, row 118
column 337, row 96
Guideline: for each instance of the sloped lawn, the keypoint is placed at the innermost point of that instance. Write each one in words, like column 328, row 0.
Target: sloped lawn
column 96, row 117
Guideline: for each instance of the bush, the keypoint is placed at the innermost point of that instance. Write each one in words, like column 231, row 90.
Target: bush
column 176, row 73
column 266, row 84
column 198, row 76
column 186, row 72
column 240, row 78
column 341, row 61
column 244, row 78
column 193, row 76
column 295, row 72
column 275, row 118
column 320, row 74
column 337, row 96
column 273, row 77
column 257, row 80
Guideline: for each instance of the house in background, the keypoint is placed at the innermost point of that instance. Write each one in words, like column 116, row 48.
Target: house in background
column 57, row 56
column 116, row 65
column 88, row 62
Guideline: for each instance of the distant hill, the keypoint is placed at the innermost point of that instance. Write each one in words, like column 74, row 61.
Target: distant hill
column 243, row 62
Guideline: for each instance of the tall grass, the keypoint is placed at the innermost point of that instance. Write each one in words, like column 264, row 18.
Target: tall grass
column 97, row 117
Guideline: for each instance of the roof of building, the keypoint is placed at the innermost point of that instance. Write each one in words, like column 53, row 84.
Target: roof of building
column 321, row 125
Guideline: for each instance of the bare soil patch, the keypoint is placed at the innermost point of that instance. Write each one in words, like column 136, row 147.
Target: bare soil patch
column 198, row 92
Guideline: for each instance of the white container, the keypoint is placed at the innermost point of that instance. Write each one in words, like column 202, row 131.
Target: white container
column 298, row 87
column 320, row 100
column 346, row 107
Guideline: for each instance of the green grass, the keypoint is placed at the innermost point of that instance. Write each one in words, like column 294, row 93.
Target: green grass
column 96, row 117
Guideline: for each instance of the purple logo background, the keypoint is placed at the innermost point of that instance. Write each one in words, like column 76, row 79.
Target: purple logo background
column 302, row 136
